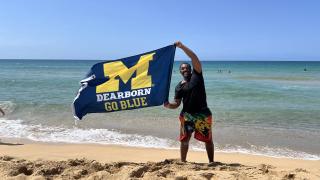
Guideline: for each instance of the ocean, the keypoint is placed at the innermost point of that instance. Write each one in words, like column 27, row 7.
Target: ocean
column 259, row 107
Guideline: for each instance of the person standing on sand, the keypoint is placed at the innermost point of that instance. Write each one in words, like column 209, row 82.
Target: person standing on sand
column 195, row 115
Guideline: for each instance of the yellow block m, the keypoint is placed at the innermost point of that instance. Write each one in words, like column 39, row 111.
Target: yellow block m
column 118, row 69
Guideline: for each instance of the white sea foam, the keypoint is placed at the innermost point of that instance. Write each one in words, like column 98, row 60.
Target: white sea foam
column 19, row 129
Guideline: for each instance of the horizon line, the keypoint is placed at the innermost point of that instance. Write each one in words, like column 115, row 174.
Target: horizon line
column 179, row 60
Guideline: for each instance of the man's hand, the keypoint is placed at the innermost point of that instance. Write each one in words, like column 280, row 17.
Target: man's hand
column 166, row 104
column 194, row 59
column 178, row 44
column 172, row 105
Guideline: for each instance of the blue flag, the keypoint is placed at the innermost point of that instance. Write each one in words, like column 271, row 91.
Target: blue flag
column 129, row 83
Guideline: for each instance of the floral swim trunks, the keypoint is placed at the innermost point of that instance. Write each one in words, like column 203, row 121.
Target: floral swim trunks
column 198, row 123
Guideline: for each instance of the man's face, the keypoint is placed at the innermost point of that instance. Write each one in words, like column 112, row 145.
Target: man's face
column 185, row 70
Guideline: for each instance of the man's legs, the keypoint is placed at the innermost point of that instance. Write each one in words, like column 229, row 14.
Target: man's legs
column 210, row 151
column 184, row 146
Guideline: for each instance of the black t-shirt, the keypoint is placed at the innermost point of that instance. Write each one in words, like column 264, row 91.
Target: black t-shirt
column 193, row 95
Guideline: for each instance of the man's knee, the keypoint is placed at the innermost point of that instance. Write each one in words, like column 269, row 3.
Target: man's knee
column 209, row 143
column 185, row 141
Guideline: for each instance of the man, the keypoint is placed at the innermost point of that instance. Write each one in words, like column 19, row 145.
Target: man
column 195, row 115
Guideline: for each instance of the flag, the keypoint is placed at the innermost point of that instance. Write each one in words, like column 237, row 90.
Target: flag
column 134, row 82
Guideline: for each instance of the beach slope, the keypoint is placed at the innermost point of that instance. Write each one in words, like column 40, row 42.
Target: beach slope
column 87, row 161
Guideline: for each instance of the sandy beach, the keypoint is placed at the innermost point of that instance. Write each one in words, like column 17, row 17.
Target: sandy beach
column 91, row 161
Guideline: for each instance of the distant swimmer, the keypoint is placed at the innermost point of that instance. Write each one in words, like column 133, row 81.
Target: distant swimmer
column 2, row 112
column 305, row 69
column 229, row 71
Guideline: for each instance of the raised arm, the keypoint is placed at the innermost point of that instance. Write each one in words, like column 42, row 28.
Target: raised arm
column 194, row 58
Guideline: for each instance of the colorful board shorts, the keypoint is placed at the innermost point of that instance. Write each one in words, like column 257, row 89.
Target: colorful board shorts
column 198, row 123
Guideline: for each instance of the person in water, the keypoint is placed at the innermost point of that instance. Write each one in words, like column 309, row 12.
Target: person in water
column 1, row 110
column 195, row 115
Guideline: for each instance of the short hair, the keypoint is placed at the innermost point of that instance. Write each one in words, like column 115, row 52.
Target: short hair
column 189, row 66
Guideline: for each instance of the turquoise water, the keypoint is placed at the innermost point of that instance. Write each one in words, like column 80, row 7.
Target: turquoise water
column 269, row 108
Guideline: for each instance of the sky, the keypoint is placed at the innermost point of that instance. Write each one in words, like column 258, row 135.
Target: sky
column 213, row 29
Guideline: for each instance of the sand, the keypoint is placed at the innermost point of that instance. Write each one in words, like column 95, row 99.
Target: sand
column 91, row 161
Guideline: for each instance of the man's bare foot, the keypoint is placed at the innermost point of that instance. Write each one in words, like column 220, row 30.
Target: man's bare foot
column 210, row 164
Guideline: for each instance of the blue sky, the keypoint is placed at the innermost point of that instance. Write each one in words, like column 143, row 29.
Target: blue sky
column 215, row 30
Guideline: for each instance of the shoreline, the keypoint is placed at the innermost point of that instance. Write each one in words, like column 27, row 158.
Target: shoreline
column 61, row 153
column 64, row 151
column 23, row 141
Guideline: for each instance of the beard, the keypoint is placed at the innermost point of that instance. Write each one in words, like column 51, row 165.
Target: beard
column 186, row 75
